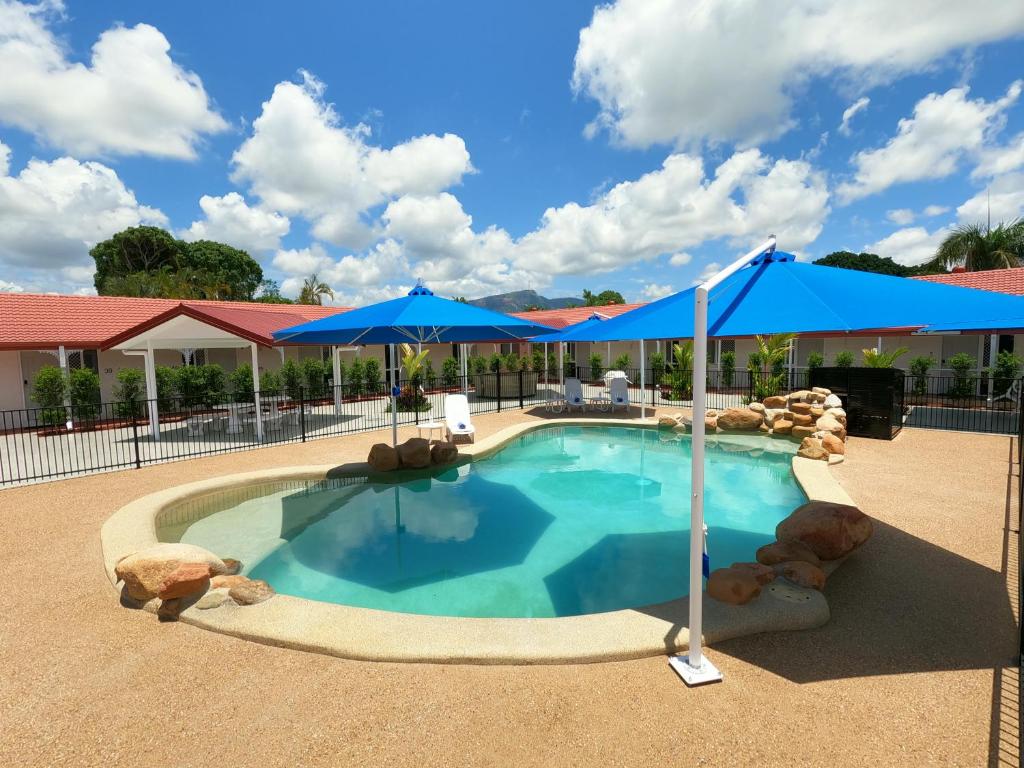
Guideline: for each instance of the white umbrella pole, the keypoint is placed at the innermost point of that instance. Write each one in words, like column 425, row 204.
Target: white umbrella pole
column 643, row 382
column 694, row 668
column 561, row 367
column 394, row 400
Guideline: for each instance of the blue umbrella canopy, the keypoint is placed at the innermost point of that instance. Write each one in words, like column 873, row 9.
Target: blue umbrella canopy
column 420, row 317
column 562, row 333
column 777, row 294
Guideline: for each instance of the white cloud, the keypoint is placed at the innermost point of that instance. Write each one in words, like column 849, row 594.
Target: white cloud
column 994, row 161
column 935, row 210
column 930, row 145
column 710, row 269
column 848, row 114
column 901, row 216
column 654, row 291
column 910, row 246
column 229, row 219
column 131, row 98
column 301, row 160
column 53, row 212
column 680, row 259
column 6, row 287
column 682, row 71
column 1005, row 195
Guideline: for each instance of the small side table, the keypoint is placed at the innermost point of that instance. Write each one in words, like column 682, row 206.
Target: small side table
column 430, row 426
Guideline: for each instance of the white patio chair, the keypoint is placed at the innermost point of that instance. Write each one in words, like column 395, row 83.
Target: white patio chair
column 1012, row 394
column 457, row 420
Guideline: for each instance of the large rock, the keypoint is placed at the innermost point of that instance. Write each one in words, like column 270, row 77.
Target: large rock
column 229, row 581
column 667, row 422
column 215, row 598
column 774, row 401
column 382, row 458
column 832, row 401
column 817, row 411
column 782, row 426
column 833, row 444
column 256, row 591
column 734, row 586
column 811, row 448
column 798, row 397
column 757, row 408
column 803, row 574
column 801, row 408
column 814, row 397
column 830, row 530
column 232, row 565
column 443, row 453
column 739, row 419
column 143, row 572
column 763, row 573
column 801, row 432
column 711, row 424
column 821, row 391
column 786, row 551
column 414, row 453
column 186, row 579
column 801, row 419
column 829, row 424
column 771, row 415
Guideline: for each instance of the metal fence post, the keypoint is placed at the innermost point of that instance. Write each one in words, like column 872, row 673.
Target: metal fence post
column 521, row 406
column 497, row 375
column 135, row 436
column 302, row 412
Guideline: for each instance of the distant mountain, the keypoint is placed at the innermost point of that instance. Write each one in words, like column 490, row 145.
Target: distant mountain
column 517, row 301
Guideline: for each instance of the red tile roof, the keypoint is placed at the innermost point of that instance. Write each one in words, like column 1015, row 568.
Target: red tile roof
column 560, row 318
column 44, row 321
column 998, row 280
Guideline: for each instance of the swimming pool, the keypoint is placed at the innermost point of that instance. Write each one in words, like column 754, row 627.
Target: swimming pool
column 562, row 521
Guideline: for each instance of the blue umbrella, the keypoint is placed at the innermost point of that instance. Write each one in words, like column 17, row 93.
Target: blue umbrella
column 419, row 318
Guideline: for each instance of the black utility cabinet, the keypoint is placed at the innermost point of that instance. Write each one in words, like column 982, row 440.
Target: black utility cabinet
column 872, row 398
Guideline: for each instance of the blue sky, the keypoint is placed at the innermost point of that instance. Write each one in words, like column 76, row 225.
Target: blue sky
column 488, row 148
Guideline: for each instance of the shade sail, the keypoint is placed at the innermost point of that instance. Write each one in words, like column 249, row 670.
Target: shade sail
column 420, row 317
column 777, row 294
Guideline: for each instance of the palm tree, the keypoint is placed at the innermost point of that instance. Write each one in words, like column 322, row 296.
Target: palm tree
column 875, row 359
column 976, row 247
column 314, row 290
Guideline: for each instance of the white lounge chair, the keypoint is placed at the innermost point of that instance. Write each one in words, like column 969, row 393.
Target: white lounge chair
column 573, row 397
column 456, row 418
column 618, row 393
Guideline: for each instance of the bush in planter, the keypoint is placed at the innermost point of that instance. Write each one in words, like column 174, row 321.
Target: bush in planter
column 48, row 391
column 1005, row 372
column 371, row 375
column 963, row 383
column 313, row 373
column 356, row 373
column 658, row 367
column 84, row 392
column 815, row 360
column 537, row 358
column 166, row 386
column 449, row 372
column 513, row 362
column 622, row 362
column 494, row 363
column 410, row 399
column 919, row 367
column 129, row 393
column 291, row 379
column 595, row 367
column 478, row 364
column 240, row 380
column 843, row 359
column 270, row 383
column 728, row 368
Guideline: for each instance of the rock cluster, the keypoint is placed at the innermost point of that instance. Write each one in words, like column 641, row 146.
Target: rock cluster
column 182, row 575
column 414, row 453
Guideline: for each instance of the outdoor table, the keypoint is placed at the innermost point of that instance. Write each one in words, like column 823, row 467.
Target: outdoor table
column 430, row 426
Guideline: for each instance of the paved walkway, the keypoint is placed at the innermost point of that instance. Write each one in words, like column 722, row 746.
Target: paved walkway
column 914, row 669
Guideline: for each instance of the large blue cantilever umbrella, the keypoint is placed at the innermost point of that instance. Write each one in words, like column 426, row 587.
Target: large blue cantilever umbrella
column 419, row 318
column 765, row 292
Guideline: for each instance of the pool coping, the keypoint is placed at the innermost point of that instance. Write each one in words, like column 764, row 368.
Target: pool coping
column 376, row 635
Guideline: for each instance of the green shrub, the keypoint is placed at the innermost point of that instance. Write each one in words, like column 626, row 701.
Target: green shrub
column 240, row 380
column 450, row 372
column 815, row 360
column 680, row 380
column 215, row 384
column 291, row 379
column 568, row 366
column 919, row 367
column 313, row 374
column 129, row 393
column 537, row 358
column 1005, row 371
column 658, row 367
column 429, row 374
column 622, row 362
column 494, row 363
column 270, row 383
column 513, row 362
column 48, row 391
column 595, row 367
column 478, row 364
column 843, row 359
column 962, row 385
column 84, row 392
column 189, row 384
column 552, row 361
column 371, row 375
column 166, row 386
column 728, row 367
column 356, row 372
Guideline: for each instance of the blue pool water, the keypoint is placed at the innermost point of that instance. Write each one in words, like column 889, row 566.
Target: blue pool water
column 562, row 521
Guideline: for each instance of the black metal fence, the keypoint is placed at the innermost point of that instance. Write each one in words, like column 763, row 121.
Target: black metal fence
column 963, row 403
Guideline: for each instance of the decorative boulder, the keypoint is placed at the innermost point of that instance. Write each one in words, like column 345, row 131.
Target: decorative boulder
column 215, row 598
column 801, row 419
column 733, row 586
column 774, row 402
column 832, row 401
column 821, row 391
column 443, row 453
column 710, row 412
column 803, row 574
column 414, row 453
column 786, row 551
column 145, row 571
column 256, row 591
column 782, row 426
column 739, row 419
column 771, row 415
column 801, row 408
column 801, row 432
column 382, row 458
column 233, row 566
column 833, row 444
column 828, row 424
column 757, row 407
column 812, row 449
column 667, row 422
column 798, row 397
column 830, row 530
column 227, row 582
column 814, row 397
column 817, row 411
column 186, row 579
column 711, row 424
column 763, row 573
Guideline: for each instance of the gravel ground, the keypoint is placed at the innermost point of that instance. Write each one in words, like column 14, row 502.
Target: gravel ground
column 915, row 668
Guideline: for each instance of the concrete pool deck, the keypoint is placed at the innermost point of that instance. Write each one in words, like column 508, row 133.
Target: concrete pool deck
column 374, row 635
column 915, row 667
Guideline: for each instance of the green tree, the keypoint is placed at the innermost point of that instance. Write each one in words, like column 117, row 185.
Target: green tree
column 450, row 372
column 728, row 368
column 270, row 293
column 49, row 388
column 681, row 378
column 1005, row 371
column 165, row 388
column 864, row 262
column 595, row 366
column 313, row 372
column 241, row 384
column 356, row 374
column 976, row 248
column 371, row 375
column 129, row 391
column 231, row 273
column 623, row 362
column 136, row 249
column 314, row 290
column 962, row 364
column 602, row 299
column 84, row 393
column 657, row 367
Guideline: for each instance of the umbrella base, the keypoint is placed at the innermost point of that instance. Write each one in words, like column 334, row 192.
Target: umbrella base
column 706, row 673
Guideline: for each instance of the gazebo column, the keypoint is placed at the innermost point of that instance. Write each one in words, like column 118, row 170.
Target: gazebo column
column 993, row 354
column 336, row 363
column 561, row 367
column 643, row 382
column 62, row 358
column 256, row 390
column 464, row 367
column 151, row 392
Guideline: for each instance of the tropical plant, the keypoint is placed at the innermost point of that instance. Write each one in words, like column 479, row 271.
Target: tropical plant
column 240, row 380
column 622, row 362
column 962, row 365
column 84, row 393
column 680, row 380
column 875, row 358
column 371, row 375
column 976, row 247
column 767, row 364
column 291, row 379
column 1005, row 371
column 728, row 368
column 49, row 388
column 129, row 392
column 595, row 367
column 429, row 374
column 357, row 376
column 314, row 290
column 413, row 364
column 657, row 367
column 270, row 383
column 919, row 367
column 843, row 359
column 450, row 372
